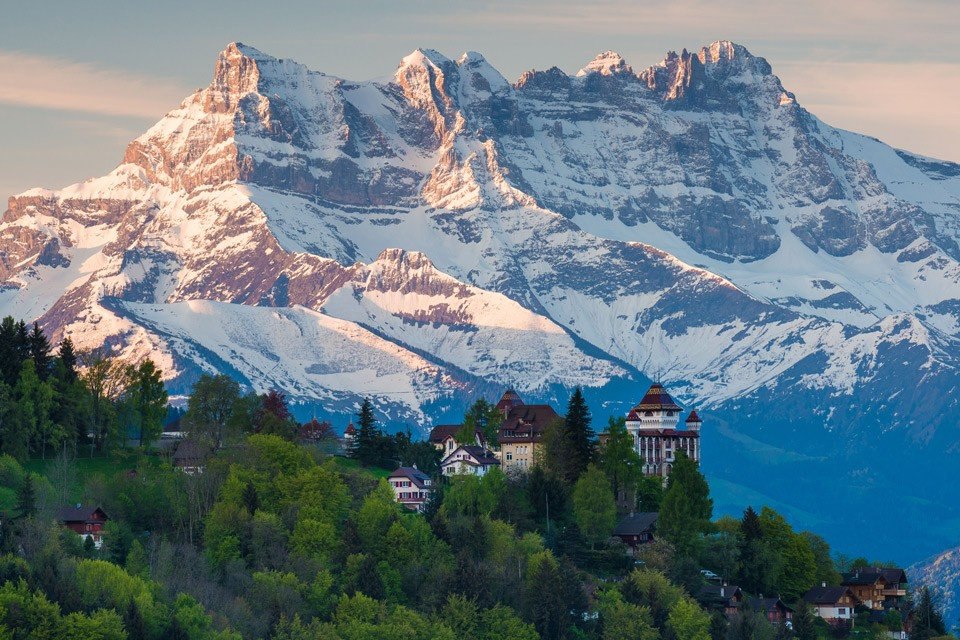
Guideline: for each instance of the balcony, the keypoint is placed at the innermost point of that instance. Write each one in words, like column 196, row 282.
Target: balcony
column 894, row 592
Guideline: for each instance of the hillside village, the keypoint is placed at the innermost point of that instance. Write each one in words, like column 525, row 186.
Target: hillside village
column 231, row 519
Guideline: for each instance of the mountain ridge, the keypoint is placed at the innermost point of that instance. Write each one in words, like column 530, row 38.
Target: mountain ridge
column 455, row 231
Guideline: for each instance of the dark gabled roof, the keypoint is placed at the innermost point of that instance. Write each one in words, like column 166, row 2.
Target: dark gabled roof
column 711, row 592
column 483, row 456
column 827, row 595
column 350, row 430
column 766, row 604
column 657, row 399
column 526, row 422
column 81, row 513
column 416, row 476
column 443, row 431
column 869, row 575
column 893, row 575
column 636, row 524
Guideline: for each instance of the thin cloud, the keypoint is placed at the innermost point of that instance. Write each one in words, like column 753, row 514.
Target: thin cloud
column 55, row 83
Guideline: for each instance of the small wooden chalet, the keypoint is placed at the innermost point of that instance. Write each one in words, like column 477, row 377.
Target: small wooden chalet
column 411, row 487
column 86, row 520
column 775, row 610
column 191, row 456
column 834, row 604
column 636, row 529
column 877, row 587
column 469, row 459
column 725, row 598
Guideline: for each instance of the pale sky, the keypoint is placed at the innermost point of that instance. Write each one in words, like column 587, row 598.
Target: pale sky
column 79, row 80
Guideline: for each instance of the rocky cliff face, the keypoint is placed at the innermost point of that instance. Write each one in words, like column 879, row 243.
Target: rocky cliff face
column 447, row 231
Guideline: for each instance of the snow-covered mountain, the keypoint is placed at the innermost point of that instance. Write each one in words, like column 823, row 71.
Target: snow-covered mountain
column 444, row 231
column 942, row 574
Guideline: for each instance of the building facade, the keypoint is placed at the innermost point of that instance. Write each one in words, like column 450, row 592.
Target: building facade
column 654, row 424
column 444, row 438
column 87, row 521
column 834, row 604
column 411, row 487
column 468, row 459
column 521, row 434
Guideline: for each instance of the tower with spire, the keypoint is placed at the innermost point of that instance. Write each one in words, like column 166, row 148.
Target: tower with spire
column 654, row 424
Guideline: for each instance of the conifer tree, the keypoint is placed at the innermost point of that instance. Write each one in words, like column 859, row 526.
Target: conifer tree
column 365, row 445
column 580, row 434
column 804, row 621
column 133, row 622
column 40, row 351
column 750, row 525
column 68, row 356
column 26, row 497
column 9, row 358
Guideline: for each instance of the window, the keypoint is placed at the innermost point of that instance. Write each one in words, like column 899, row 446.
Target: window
column 509, row 455
column 842, row 611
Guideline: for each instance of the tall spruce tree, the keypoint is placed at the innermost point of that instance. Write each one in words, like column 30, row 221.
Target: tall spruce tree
column 366, row 445
column 40, row 351
column 26, row 497
column 804, row 621
column 11, row 357
column 68, row 356
column 580, row 434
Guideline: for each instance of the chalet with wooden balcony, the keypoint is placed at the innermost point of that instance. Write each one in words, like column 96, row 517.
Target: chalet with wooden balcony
column 877, row 587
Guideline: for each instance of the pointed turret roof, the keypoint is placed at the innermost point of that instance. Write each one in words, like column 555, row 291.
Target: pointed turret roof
column 657, row 399
column 693, row 417
column 509, row 400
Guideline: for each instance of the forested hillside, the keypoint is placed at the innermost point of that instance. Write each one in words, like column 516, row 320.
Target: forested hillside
column 281, row 539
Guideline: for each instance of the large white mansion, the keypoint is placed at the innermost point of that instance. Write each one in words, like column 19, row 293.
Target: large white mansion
column 654, row 425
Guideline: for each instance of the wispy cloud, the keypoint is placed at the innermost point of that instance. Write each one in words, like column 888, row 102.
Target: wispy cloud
column 55, row 83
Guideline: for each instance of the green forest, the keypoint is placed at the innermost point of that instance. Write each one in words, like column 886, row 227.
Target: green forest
column 278, row 538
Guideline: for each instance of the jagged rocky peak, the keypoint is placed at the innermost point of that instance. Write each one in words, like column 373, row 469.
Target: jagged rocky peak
column 481, row 74
column 422, row 59
column 706, row 77
column 607, row 63
column 553, row 79
column 237, row 70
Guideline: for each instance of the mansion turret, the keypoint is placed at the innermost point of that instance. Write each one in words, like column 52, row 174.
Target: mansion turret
column 655, row 426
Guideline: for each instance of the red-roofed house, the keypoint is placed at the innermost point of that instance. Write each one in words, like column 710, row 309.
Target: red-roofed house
column 86, row 520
